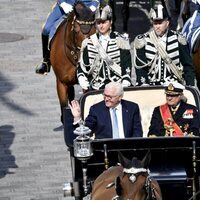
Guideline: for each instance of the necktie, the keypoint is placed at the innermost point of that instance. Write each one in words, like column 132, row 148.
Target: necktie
column 115, row 124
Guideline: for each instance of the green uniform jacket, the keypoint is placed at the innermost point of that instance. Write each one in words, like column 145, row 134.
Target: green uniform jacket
column 145, row 58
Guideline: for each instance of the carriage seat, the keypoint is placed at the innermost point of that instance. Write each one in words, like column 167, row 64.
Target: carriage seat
column 146, row 97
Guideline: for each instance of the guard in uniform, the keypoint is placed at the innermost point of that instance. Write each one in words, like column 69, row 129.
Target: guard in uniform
column 162, row 55
column 105, row 56
column 176, row 117
column 60, row 9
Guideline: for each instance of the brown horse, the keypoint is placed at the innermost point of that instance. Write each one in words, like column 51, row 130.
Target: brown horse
column 129, row 181
column 65, row 50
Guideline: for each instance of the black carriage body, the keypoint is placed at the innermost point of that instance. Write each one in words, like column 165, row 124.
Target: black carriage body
column 175, row 162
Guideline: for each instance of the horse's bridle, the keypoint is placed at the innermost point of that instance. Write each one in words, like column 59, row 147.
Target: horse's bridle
column 74, row 49
column 150, row 191
column 133, row 173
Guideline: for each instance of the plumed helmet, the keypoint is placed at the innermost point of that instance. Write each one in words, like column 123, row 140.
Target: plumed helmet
column 159, row 13
column 104, row 13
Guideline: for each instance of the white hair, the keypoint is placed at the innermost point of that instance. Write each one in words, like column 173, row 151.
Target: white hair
column 117, row 86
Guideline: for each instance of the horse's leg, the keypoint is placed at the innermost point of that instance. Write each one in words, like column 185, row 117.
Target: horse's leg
column 62, row 92
column 71, row 93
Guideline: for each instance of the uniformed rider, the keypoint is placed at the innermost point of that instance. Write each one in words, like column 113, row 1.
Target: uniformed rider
column 60, row 9
column 162, row 55
column 105, row 55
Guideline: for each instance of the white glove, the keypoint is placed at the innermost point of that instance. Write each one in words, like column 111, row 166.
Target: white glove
column 66, row 7
column 126, row 83
column 93, row 8
column 83, row 82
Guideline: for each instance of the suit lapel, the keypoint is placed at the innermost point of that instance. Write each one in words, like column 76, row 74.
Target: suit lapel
column 125, row 116
column 107, row 119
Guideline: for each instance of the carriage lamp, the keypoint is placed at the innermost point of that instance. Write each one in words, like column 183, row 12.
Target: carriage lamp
column 83, row 151
column 82, row 143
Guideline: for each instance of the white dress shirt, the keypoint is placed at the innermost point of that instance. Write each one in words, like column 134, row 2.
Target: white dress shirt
column 103, row 39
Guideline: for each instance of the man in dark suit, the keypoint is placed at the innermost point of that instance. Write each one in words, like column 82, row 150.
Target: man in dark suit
column 101, row 119
column 176, row 117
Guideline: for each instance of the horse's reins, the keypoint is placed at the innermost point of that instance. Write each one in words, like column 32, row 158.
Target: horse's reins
column 150, row 191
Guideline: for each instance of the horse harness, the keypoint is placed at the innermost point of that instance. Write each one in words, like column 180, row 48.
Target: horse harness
column 133, row 173
column 74, row 49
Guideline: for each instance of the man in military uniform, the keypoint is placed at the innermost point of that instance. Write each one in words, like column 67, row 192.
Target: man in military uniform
column 175, row 117
column 162, row 55
column 105, row 56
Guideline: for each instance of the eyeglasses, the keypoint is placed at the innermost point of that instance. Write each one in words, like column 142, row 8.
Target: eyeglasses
column 109, row 97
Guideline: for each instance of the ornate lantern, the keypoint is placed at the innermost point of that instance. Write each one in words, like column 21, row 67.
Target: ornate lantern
column 83, row 150
column 82, row 143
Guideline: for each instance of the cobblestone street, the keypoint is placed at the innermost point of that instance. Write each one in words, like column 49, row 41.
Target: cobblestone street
column 34, row 161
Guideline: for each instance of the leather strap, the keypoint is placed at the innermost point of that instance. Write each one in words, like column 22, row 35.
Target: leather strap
column 111, row 64
column 165, row 56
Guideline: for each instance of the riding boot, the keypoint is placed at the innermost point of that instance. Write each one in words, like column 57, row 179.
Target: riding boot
column 46, row 64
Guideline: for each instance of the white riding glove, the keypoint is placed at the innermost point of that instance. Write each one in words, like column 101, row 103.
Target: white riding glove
column 93, row 8
column 83, row 82
column 126, row 83
column 66, row 7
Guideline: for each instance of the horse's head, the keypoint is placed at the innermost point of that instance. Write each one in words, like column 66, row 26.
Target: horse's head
column 85, row 18
column 131, row 179
column 135, row 183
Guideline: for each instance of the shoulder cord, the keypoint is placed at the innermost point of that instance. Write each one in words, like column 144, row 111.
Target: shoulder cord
column 165, row 56
column 144, row 64
column 111, row 64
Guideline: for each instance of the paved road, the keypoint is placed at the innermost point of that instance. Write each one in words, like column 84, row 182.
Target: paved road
column 34, row 161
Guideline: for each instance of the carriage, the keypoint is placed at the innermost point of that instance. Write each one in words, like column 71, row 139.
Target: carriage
column 175, row 162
